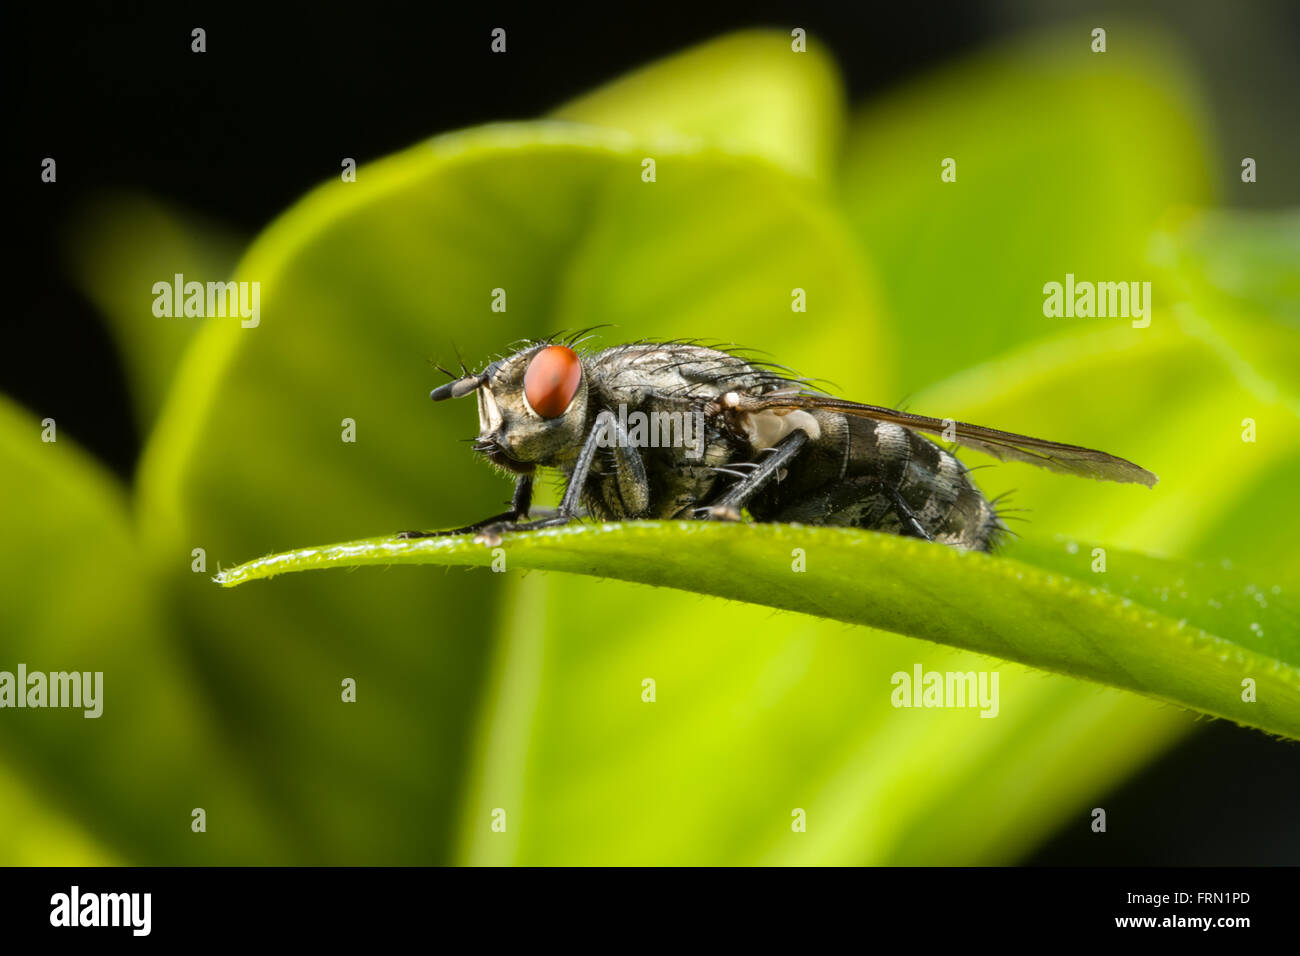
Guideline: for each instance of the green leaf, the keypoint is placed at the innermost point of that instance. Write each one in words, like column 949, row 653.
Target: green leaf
column 756, row 713
column 119, row 246
column 1180, row 633
column 1052, row 178
column 745, row 93
column 74, row 597
column 1235, row 286
column 1246, row 259
column 37, row 835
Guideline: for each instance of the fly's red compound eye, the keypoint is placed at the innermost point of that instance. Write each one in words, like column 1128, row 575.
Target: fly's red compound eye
column 552, row 379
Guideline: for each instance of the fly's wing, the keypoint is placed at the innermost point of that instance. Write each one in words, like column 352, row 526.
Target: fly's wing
column 1004, row 446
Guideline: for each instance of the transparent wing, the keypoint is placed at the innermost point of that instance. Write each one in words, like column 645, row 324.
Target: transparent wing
column 1004, row 446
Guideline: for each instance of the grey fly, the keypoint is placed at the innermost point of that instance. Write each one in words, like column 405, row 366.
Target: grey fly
column 682, row 430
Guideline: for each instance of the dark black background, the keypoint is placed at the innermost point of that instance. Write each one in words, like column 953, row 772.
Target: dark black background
column 115, row 95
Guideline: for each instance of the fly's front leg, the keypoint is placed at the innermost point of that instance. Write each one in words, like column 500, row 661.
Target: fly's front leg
column 520, row 504
column 727, row 506
column 633, row 485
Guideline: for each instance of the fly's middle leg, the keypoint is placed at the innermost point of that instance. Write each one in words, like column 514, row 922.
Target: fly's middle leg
column 727, row 506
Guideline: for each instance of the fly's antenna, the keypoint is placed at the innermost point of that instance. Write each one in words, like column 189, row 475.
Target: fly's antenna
column 460, row 385
column 458, row 388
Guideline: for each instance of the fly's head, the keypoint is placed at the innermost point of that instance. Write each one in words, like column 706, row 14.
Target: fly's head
column 532, row 407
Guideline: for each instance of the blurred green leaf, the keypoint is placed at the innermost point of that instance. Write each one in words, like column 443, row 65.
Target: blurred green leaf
column 757, row 713
column 72, row 600
column 36, row 835
column 1065, row 161
column 119, row 246
column 1247, row 260
column 1235, row 281
column 746, row 93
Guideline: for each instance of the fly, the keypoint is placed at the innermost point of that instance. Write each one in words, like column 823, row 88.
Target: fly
column 729, row 434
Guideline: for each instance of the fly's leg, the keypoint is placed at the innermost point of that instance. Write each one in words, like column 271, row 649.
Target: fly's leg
column 727, row 506
column 632, row 479
column 633, row 485
column 520, row 504
column 572, row 500
column 910, row 527
column 859, row 502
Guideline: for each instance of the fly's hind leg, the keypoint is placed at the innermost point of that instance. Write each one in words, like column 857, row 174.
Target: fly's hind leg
column 727, row 506
column 910, row 526
column 857, row 502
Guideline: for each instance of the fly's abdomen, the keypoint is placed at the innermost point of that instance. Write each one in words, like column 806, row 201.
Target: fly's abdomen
column 933, row 484
column 857, row 470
